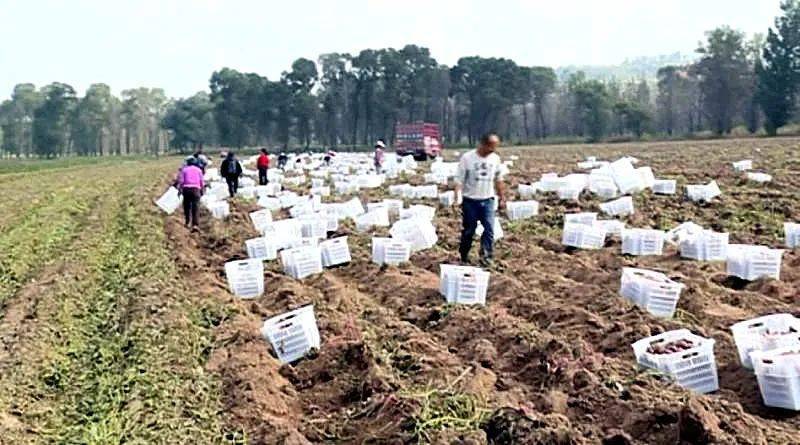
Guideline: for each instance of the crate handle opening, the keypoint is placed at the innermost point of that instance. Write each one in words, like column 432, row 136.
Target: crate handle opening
column 692, row 354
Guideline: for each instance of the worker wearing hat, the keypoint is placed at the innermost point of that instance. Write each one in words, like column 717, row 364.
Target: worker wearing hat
column 378, row 157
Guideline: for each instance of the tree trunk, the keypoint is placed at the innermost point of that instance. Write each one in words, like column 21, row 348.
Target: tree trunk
column 525, row 121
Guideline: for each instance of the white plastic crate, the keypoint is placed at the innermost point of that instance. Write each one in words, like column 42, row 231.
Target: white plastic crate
column 219, row 209
column 642, row 242
column 647, row 177
column 261, row 218
column 703, row 193
column 245, row 277
column 335, row 252
column 351, row 208
column 497, row 227
column 424, row 191
column 603, row 186
column 381, row 205
column 585, row 218
column 261, row 248
column 394, row 205
column 302, row 242
column 792, row 234
column 312, row 226
column 399, row 189
column 550, row 182
column 217, row 191
column 618, row 207
column 248, row 192
column 447, row 199
column 345, row 187
column 753, row 262
column 759, row 177
column 374, row 218
column 418, row 211
column 293, row 334
column 765, row 334
column 517, row 210
column 269, row 203
column 694, row 368
column 419, row 232
column 434, row 178
column 169, row 201
column 289, row 199
column 612, row 227
column 211, row 174
column 743, row 166
column 665, row 186
column 322, row 190
column 705, row 246
column 778, row 374
column 463, row 284
column 301, row 262
column 282, row 232
column 626, row 177
column 527, row 191
column 390, row 251
column 651, row 290
column 569, row 192
column 583, row 236
column 302, row 208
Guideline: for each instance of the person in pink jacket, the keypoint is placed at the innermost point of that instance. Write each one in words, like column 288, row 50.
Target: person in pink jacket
column 191, row 185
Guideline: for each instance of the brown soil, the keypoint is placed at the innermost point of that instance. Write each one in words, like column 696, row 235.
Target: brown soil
column 549, row 355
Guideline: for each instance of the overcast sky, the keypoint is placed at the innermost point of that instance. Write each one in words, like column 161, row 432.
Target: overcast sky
column 177, row 44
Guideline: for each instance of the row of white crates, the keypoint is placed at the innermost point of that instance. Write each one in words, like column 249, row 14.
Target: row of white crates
column 308, row 257
column 293, row 334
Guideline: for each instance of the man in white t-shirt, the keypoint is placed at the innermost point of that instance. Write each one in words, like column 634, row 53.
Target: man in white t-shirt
column 479, row 181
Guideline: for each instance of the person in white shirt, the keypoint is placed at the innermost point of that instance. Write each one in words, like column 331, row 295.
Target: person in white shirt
column 479, row 181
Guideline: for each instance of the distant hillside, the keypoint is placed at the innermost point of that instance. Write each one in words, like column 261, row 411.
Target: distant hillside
column 639, row 67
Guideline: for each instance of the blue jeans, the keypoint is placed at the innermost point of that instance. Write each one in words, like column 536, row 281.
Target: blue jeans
column 474, row 211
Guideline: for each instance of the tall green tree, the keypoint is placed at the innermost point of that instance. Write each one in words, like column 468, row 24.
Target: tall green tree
column 723, row 73
column 301, row 80
column 778, row 74
column 190, row 122
column 336, row 81
column 490, row 87
column 542, row 84
column 16, row 119
column 51, row 121
column 593, row 107
column 142, row 112
column 92, row 119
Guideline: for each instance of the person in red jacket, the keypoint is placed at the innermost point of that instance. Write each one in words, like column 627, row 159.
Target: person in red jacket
column 263, row 166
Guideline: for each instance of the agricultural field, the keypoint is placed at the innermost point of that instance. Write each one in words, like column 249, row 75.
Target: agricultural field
column 117, row 324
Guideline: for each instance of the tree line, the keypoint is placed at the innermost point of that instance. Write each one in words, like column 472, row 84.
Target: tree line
column 346, row 100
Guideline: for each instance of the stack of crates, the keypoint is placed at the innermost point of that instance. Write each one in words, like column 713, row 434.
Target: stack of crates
column 301, row 262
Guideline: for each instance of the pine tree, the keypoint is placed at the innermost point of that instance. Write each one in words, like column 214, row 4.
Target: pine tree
column 779, row 72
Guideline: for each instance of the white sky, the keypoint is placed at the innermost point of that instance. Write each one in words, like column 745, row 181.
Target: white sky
column 177, row 44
